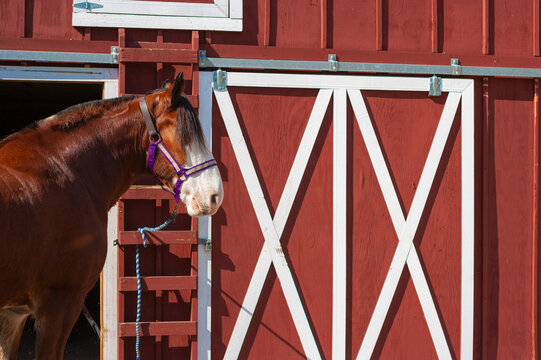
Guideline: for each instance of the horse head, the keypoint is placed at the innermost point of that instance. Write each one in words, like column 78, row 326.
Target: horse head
column 180, row 131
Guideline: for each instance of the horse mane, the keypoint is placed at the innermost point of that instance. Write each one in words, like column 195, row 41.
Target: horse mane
column 188, row 126
column 75, row 116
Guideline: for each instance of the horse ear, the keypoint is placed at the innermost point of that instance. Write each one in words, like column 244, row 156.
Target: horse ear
column 166, row 84
column 178, row 88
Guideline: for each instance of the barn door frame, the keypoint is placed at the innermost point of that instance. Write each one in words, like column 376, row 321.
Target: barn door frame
column 405, row 225
column 109, row 78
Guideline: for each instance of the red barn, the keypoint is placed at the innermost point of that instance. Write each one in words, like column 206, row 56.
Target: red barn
column 380, row 166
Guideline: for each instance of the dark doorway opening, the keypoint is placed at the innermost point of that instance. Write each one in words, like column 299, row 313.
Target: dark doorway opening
column 21, row 104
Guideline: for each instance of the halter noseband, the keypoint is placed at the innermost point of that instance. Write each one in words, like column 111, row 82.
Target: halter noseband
column 156, row 142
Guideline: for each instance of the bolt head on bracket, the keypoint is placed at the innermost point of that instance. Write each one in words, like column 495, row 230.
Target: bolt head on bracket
column 219, row 81
column 435, row 86
column 333, row 63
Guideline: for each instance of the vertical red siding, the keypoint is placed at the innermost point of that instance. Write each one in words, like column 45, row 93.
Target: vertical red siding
column 359, row 32
column 295, row 23
column 513, row 28
column 462, row 20
column 408, row 27
column 508, row 311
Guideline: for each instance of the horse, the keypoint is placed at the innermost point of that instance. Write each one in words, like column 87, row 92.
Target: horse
column 58, row 179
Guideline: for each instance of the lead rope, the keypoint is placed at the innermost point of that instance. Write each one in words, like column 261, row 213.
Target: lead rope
column 138, row 275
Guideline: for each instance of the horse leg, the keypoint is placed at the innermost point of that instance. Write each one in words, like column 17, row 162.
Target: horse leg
column 55, row 318
column 11, row 329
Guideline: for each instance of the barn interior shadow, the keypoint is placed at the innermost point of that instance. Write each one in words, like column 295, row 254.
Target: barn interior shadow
column 24, row 102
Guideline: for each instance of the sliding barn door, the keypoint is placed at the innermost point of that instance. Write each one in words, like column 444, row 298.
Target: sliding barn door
column 347, row 228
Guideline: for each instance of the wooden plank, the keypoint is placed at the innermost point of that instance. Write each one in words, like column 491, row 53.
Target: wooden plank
column 121, row 66
column 109, row 295
column 163, row 328
column 536, row 28
column 340, row 82
column 193, row 300
column 324, row 23
column 121, row 298
column 21, row 18
column 266, row 23
column 185, row 56
column 204, row 256
column 158, row 315
column 487, row 170
column 468, row 223
column 158, row 283
column 486, row 28
column 435, row 26
column 147, row 192
column 379, row 25
column 170, row 237
column 109, row 284
column 535, row 222
column 339, row 261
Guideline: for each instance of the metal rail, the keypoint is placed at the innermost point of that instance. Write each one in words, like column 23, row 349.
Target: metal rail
column 57, row 56
column 332, row 65
column 49, row 73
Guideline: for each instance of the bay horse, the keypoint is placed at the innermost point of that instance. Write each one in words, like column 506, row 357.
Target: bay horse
column 58, row 179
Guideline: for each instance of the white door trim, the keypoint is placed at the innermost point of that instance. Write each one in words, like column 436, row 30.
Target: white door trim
column 405, row 225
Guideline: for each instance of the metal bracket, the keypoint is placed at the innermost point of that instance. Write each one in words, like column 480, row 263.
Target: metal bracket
column 203, row 61
column 114, row 54
column 207, row 243
column 457, row 69
column 435, row 86
column 219, row 80
column 87, row 5
column 333, row 63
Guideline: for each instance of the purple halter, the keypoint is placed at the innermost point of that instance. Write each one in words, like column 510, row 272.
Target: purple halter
column 156, row 142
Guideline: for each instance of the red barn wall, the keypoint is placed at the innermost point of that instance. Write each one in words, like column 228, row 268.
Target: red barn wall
column 479, row 33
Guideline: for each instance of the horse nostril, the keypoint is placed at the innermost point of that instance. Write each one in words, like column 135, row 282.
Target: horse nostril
column 214, row 199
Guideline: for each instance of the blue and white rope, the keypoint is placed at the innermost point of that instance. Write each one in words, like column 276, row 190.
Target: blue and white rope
column 138, row 275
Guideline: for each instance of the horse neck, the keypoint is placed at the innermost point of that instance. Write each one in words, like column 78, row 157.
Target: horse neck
column 116, row 157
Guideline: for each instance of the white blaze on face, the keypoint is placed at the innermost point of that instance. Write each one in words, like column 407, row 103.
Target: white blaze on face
column 202, row 193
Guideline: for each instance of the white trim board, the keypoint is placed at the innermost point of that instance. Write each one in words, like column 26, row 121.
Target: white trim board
column 204, row 255
column 405, row 225
column 109, row 276
column 222, row 15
